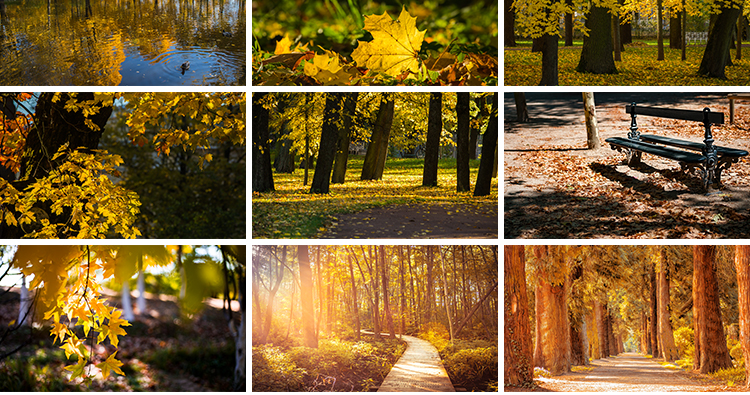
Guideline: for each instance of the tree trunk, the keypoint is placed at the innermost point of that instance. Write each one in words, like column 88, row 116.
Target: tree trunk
column 344, row 138
column 432, row 145
column 402, row 283
column 716, row 54
column 626, row 33
column 483, row 186
column 517, row 334
column 445, row 293
column 675, row 33
column 510, row 21
column 709, row 329
column 306, row 298
column 357, row 325
column 25, row 312
column 377, row 151
column 600, row 309
column 596, row 55
column 522, row 112
column 552, row 350
column 666, row 337
column 127, row 304
column 569, row 27
column 386, row 295
column 328, row 138
column 262, row 174
column 742, row 265
column 577, row 323
column 462, row 144
column 428, row 292
column 738, row 55
column 616, row 43
column 140, row 303
column 592, row 130
column 476, row 129
column 659, row 30
column 549, row 45
column 653, row 313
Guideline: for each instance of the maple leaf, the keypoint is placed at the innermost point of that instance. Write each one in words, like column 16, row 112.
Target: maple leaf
column 77, row 369
column 114, row 327
column 395, row 45
column 326, row 69
column 59, row 330
column 111, row 364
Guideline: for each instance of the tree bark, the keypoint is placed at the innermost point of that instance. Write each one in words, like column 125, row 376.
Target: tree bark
column 445, row 293
column 716, row 54
column 510, row 21
column 428, row 292
column 653, row 313
column 616, row 43
column 262, row 174
column 306, row 298
column 357, row 325
column 377, row 151
column 386, row 294
column 517, row 333
column 432, row 145
column 522, row 112
column 596, row 55
column 675, row 32
column 600, row 309
column 659, row 30
column 344, row 138
column 666, row 337
column 483, row 186
column 577, row 323
column 549, row 45
column 462, row 144
column 709, row 329
column 327, row 149
column 553, row 334
column 592, row 130
column 742, row 265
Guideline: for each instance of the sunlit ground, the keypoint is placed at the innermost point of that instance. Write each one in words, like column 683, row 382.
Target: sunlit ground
column 292, row 212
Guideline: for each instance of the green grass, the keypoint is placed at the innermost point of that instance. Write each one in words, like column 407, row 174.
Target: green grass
column 638, row 67
column 292, row 212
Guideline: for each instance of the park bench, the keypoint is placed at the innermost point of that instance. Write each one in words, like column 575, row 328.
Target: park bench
column 708, row 158
column 732, row 97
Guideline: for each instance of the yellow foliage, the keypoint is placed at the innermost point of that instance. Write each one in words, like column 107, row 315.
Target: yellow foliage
column 395, row 45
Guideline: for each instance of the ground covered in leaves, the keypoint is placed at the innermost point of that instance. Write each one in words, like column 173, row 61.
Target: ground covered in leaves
column 346, row 365
column 162, row 351
column 292, row 212
column 638, row 67
column 555, row 188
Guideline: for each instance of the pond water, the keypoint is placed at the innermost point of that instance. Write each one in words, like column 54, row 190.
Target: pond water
column 122, row 42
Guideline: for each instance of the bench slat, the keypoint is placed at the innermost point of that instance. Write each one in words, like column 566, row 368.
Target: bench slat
column 665, row 152
column 692, row 145
column 716, row 118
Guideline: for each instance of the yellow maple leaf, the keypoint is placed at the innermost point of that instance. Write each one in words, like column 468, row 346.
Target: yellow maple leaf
column 395, row 45
column 284, row 45
column 111, row 364
column 326, row 69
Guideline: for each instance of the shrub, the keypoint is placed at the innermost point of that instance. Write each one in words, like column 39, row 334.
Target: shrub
column 274, row 370
column 471, row 366
column 683, row 339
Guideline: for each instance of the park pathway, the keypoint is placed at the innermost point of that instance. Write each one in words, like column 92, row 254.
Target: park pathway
column 419, row 369
column 627, row 372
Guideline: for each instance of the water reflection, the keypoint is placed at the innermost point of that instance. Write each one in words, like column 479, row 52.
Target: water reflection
column 122, row 42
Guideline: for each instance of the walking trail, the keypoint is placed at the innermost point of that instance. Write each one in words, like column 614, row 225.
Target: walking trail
column 419, row 369
column 627, row 372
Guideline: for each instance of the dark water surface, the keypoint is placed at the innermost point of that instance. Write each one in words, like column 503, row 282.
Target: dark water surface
column 122, row 42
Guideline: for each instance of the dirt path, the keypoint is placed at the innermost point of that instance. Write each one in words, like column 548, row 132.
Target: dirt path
column 419, row 369
column 434, row 221
column 627, row 372
column 556, row 188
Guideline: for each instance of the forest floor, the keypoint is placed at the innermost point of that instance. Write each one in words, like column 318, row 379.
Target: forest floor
column 162, row 351
column 555, row 188
column 628, row 372
column 424, row 221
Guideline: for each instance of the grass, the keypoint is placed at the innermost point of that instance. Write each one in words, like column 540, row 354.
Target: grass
column 292, row 212
column 638, row 67
column 581, row 368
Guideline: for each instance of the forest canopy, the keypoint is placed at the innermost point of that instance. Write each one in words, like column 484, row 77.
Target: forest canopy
column 95, row 165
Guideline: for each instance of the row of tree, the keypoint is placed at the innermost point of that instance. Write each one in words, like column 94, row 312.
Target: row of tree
column 327, row 126
column 607, row 29
column 566, row 304
column 395, row 289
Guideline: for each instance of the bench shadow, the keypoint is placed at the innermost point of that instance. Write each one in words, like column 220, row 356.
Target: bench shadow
column 547, row 149
column 611, row 173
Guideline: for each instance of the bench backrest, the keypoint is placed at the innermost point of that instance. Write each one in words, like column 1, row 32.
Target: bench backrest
column 716, row 118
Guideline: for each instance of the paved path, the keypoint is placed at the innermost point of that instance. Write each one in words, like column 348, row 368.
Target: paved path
column 419, row 369
column 626, row 372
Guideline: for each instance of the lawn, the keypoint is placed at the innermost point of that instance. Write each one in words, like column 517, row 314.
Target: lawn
column 292, row 212
column 638, row 67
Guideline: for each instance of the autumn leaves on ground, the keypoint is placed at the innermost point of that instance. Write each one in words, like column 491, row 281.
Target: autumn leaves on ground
column 554, row 187
column 312, row 306
column 626, row 318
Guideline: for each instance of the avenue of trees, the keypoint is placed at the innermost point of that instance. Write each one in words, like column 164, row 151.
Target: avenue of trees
column 66, row 301
column 303, row 296
column 94, row 165
column 566, row 304
column 607, row 27
column 319, row 131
